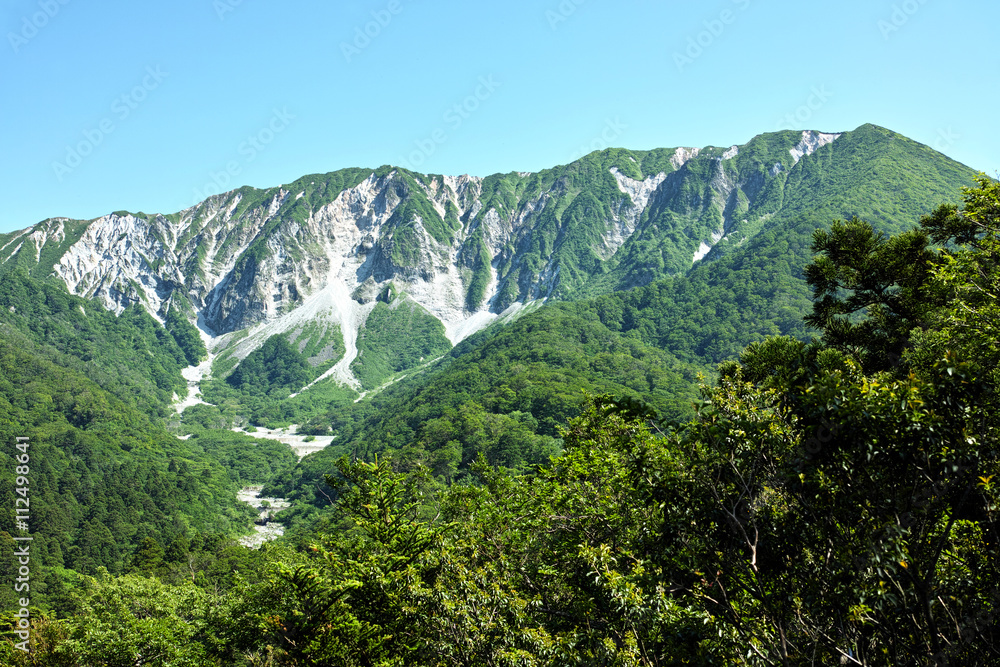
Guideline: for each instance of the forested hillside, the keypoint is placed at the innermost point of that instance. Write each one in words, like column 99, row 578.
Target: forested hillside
column 131, row 355
column 829, row 502
column 91, row 392
column 105, row 478
column 592, row 479
column 502, row 394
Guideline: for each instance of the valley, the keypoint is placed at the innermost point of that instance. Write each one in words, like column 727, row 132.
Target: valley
column 265, row 528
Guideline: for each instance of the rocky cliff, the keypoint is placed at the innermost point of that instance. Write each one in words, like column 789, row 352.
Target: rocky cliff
column 464, row 249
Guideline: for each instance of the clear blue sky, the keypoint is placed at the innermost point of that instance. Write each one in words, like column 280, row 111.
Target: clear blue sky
column 148, row 105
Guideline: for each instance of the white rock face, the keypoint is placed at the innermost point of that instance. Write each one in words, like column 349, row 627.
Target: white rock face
column 310, row 270
column 731, row 153
column 462, row 191
column 704, row 248
column 811, row 141
column 700, row 253
column 626, row 218
column 194, row 375
column 117, row 253
column 682, row 155
column 255, row 263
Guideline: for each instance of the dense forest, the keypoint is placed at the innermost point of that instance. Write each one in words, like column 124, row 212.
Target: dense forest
column 822, row 501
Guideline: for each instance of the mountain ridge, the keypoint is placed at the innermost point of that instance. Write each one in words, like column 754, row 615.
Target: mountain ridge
column 465, row 250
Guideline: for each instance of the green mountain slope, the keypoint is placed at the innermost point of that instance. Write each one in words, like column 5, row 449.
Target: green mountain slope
column 131, row 355
column 750, row 287
column 102, row 476
column 749, row 291
column 502, row 394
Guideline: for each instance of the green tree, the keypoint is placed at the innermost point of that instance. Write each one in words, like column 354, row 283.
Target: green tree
column 849, row 516
column 274, row 367
column 861, row 272
column 186, row 335
column 353, row 601
column 968, row 278
column 124, row 622
column 849, row 494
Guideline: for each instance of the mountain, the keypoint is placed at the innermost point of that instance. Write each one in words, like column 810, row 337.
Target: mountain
column 434, row 258
column 625, row 272
column 540, row 454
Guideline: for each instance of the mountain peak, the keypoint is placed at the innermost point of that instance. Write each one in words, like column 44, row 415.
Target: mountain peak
column 461, row 250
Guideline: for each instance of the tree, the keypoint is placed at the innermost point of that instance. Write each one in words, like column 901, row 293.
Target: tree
column 123, row 622
column 851, row 484
column 354, row 602
column 858, row 272
column 968, row 278
column 186, row 335
column 275, row 367
column 850, row 515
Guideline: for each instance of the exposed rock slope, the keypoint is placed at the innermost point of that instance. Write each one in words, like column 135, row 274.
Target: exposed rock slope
column 465, row 249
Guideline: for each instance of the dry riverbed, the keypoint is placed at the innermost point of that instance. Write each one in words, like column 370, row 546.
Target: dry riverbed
column 266, row 528
column 302, row 444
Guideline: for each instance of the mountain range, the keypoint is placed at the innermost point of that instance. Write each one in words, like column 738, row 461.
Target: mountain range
column 524, row 378
column 318, row 258
column 437, row 318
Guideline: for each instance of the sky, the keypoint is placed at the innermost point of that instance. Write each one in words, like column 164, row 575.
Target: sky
column 152, row 106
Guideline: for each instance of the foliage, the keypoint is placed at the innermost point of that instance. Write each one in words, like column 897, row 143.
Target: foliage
column 103, row 477
column 856, row 513
column 502, row 393
column 130, row 355
column 968, row 278
column 276, row 384
column 847, row 515
column 248, row 460
column 273, row 367
column 235, row 408
column 885, row 280
column 122, row 622
column 828, row 502
column 397, row 336
column 187, row 336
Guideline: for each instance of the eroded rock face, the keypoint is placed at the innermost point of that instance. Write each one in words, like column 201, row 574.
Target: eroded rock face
column 811, row 141
column 463, row 248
